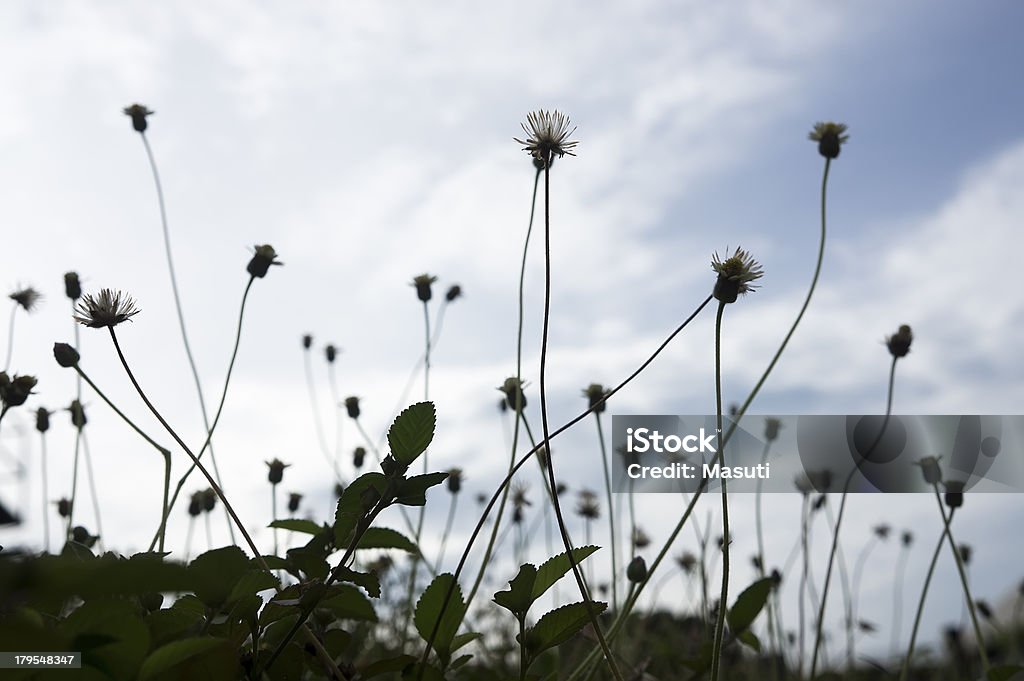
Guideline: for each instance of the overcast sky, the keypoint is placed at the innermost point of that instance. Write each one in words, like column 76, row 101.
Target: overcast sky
column 371, row 142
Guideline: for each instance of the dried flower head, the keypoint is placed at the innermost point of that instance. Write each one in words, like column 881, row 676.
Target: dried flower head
column 63, row 507
column 984, row 609
column 636, row 571
column 138, row 114
column 454, row 292
column 899, row 342
column 588, row 507
column 352, row 406
column 596, row 394
column 307, row 341
column 27, row 298
column 294, row 499
column 276, row 472
column 954, row 493
column 331, row 353
column 209, row 499
column 687, row 561
column 830, row 137
column 519, row 499
column 965, row 553
column 454, row 480
column 195, row 504
column 514, row 397
column 72, row 285
column 423, row 285
column 735, row 275
column 15, row 391
column 640, row 539
column 358, row 456
column 772, row 426
column 262, row 258
column 547, row 136
column 866, row 627
column 930, row 469
column 907, row 538
column 43, row 419
column 77, row 411
column 882, row 531
column 108, row 308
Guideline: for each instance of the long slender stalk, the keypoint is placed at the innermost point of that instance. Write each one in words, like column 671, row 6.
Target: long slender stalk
column 612, row 530
column 317, row 423
column 87, row 452
column 313, row 640
column 273, row 514
column 74, row 482
column 897, row 598
column 563, row 530
column 10, row 337
column 844, row 581
column 716, row 655
column 501, row 491
column 904, row 671
column 46, row 496
column 858, row 572
column 447, row 531
column 804, row 573
column 177, row 307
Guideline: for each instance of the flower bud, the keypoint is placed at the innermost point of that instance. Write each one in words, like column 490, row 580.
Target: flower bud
column 954, row 493
column 455, row 480
column 209, row 499
column 907, row 538
column 596, row 395
column 14, row 391
column 138, row 114
column 78, row 419
column 899, row 342
column 830, row 138
column 984, row 609
column 637, row 570
column 772, row 426
column 423, row 287
column 965, row 553
column 352, row 406
column 687, row 561
column 72, row 285
column 82, row 536
column 358, row 455
column 294, row 499
column 331, row 353
column 882, row 531
column 263, row 257
column 276, row 472
column 42, row 419
column 195, row 504
column 514, row 397
column 307, row 342
column 339, row 489
column 930, row 469
column 454, row 291
column 65, row 355
column 64, row 507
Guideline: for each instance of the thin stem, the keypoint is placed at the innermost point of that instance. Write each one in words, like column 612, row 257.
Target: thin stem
column 92, row 487
column 332, row 381
column 317, row 423
column 46, row 497
column 924, row 595
column 273, row 513
column 74, row 482
column 858, row 572
column 611, row 510
column 447, row 530
column 566, row 542
column 804, row 513
column 716, row 656
column 897, row 598
column 10, row 337
column 177, row 306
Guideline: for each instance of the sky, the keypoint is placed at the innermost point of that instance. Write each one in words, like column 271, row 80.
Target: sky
column 372, row 142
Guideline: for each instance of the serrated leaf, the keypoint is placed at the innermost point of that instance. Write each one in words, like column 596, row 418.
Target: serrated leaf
column 412, row 431
column 385, row 538
column 428, row 613
column 298, row 525
column 749, row 639
column 352, row 505
column 559, row 625
column 367, row 580
column 519, row 596
column 748, row 604
column 349, row 603
column 555, row 568
column 251, row 583
column 216, row 572
column 465, row 639
column 413, row 491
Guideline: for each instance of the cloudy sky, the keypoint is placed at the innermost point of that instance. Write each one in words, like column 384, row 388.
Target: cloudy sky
column 371, row 142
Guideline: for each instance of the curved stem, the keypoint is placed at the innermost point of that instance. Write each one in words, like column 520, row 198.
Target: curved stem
column 716, row 656
column 10, row 338
column 177, row 305
column 858, row 572
column 924, row 595
column 317, row 423
column 92, row 487
column 897, row 599
column 447, row 531
column 611, row 511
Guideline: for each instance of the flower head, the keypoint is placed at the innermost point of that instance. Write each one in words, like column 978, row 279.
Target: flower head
column 588, row 506
column 423, row 283
column 954, row 493
column 209, row 499
column 262, row 258
column 930, row 469
column 43, row 419
column 352, row 407
column 307, row 341
column 547, row 136
column 331, row 353
column 687, row 561
column 72, row 285
column 294, row 499
column 772, row 426
column 907, row 538
column 65, row 355
column 455, row 480
column 899, row 342
column 138, row 114
column 514, row 397
column 596, row 394
column 640, row 539
column 27, row 297
column 14, row 391
column 108, row 308
column 358, row 455
column 882, row 531
column 195, row 504
column 276, row 472
column 77, row 410
column 735, row 275
column 636, row 571
column 830, row 137
column 454, row 292
column 63, row 507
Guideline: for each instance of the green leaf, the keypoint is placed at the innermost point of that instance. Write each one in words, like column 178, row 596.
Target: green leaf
column 413, row 491
column 216, row 572
column 749, row 639
column 1005, row 673
column 411, row 433
column 386, row 666
column 367, row 580
column 298, row 525
column 748, row 605
column 251, row 583
column 173, row 654
column 555, row 568
column 428, row 613
column 558, row 626
column 353, row 504
column 111, row 636
column 349, row 603
column 465, row 639
column 385, row 538
column 519, row 597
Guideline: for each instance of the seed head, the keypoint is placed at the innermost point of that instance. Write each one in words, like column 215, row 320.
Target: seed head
column 352, row 406
column 209, row 499
column 27, row 298
column 984, row 609
column 596, row 394
column 78, row 419
column 72, row 286
column 454, row 480
column 331, row 352
column 954, row 493
column 262, row 258
column 108, row 308
column 63, row 507
column 423, row 283
column 640, row 539
column 830, row 137
column 687, row 561
column 65, row 355
column 899, row 342
column 772, row 426
column 519, row 499
column 636, row 572
column 358, row 455
column 195, row 504
column 276, row 472
column 294, row 499
column 454, row 291
column 82, row 536
column 735, row 275
column 14, row 391
column 43, row 419
column 138, row 114
column 882, row 531
column 547, row 136
column 588, row 506
column 907, row 538
column 307, row 341
column 514, row 397
column 965, row 553
column 930, row 469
